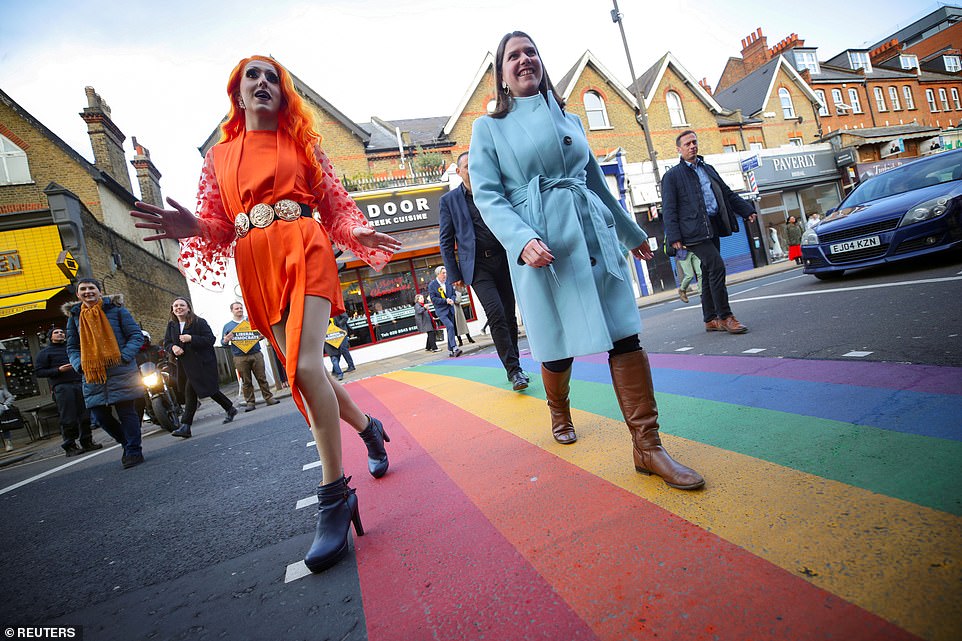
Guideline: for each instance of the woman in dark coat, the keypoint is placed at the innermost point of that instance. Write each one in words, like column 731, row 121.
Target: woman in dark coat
column 190, row 340
column 423, row 319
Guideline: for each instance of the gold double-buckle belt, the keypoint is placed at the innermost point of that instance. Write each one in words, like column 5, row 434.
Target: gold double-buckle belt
column 262, row 215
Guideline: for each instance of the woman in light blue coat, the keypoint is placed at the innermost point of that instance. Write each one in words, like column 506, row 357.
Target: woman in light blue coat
column 541, row 191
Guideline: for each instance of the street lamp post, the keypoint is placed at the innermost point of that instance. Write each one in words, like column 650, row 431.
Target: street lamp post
column 642, row 116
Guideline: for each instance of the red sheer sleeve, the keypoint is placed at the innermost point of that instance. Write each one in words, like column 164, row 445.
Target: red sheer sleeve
column 339, row 215
column 204, row 258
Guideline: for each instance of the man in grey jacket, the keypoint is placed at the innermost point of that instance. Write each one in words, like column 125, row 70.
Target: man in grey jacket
column 698, row 210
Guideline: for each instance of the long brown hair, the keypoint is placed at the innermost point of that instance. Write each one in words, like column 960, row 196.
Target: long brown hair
column 294, row 117
column 191, row 317
column 505, row 100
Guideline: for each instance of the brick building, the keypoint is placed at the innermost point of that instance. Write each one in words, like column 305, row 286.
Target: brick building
column 62, row 216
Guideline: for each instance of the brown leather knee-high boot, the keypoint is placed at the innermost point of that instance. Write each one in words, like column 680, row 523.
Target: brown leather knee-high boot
column 631, row 377
column 556, row 387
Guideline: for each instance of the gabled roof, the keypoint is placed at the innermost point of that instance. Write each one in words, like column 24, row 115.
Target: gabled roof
column 567, row 83
column 303, row 89
column 920, row 26
column 96, row 174
column 751, row 93
column 651, row 78
column 422, row 131
column 487, row 63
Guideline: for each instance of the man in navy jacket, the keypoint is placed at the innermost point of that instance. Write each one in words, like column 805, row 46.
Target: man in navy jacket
column 698, row 209
column 473, row 256
column 442, row 297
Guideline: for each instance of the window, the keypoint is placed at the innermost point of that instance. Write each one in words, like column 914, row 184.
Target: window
column 930, row 98
column 806, row 60
column 795, row 142
column 14, row 168
column 894, row 99
column 908, row 61
column 840, row 106
column 944, row 99
column 952, row 63
column 854, row 102
column 822, row 107
column 909, row 101
column 955, row 98
column 675, row 111
column 880, row 99
column 595, row 109
column 788, row 109
column 729, row 149
column 755, row 146
column 859, row 60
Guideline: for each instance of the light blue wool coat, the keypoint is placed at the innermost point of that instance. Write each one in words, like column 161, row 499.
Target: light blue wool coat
column 528, row 183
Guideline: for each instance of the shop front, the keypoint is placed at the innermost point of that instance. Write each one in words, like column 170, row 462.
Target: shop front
column 380, row 305
column 795, row 184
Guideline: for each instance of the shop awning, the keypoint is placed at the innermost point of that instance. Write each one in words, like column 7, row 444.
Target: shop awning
column 12, row 305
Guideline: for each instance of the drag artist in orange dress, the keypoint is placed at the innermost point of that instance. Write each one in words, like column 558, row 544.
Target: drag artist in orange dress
column 263, row 190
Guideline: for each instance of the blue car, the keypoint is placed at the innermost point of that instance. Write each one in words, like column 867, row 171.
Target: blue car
column 910, row 211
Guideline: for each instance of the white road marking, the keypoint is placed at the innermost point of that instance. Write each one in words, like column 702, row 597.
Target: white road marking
column 311, row 500
column 684, row 349
column 836, row 290
column 58, row 468
column 754, row 350
column 296, row 571
column 312, row 443
column 857, row 354
column 311, row 466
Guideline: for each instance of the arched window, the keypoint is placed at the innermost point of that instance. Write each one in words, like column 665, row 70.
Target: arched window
column 14, row 168
column 595, row 109
column 909, row 101
column 880, row 99
column 854, row 102
column 788, row 109
column 894, row 99
column 675, row 111
column 822, row 107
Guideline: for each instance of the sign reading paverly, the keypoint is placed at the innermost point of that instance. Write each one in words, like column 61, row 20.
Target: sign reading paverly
column 245, row 337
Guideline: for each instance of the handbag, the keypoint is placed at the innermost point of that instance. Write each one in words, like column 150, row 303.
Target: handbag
column 11, row 419
column 669, row 249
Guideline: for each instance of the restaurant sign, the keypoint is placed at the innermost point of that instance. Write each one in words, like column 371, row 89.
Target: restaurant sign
column 399, row 210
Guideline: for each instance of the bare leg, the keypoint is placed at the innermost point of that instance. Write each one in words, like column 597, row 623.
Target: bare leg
column 315, row 385
column 349, row 412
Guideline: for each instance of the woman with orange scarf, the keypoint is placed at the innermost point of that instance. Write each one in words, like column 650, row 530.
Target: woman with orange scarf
column 102, row 344
column 263, row 190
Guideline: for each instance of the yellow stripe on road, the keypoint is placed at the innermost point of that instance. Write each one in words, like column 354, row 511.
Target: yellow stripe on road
column 893, row 558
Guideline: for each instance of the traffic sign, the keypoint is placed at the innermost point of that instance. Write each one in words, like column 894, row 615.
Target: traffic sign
column 750, row 163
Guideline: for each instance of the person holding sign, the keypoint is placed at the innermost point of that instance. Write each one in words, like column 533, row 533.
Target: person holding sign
column 338, row 344
column 245, row 345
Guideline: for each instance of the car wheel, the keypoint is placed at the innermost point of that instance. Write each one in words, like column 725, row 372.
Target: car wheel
column 829, row 275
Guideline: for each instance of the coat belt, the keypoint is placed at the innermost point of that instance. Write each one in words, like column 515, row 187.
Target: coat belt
column 531, row 194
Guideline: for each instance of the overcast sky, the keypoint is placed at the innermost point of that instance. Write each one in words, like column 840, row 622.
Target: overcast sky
column 162, row 66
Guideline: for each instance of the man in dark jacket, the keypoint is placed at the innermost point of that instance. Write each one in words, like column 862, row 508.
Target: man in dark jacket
column 102, row 343
column 698, row 210
column 343, row 349
column 52, row 363
column 473, row 256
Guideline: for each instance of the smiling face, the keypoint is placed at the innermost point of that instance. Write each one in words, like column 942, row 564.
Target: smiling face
column 521, row 68
column 179, row 308
column 89, row 294
column 237, row 310
column 260, row 90
column 442, row 275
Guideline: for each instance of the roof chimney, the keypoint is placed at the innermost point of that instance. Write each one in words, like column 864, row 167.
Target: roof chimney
column 147, row 175
column 755, row 51
column 704, row 85
column 106, row 139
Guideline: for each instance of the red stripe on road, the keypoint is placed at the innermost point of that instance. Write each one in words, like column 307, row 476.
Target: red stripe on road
column 627, row 567
column 431, row 566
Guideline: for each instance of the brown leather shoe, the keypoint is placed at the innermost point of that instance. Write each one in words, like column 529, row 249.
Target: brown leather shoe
column 732, row 326
column 714, row 325
column 683, row 295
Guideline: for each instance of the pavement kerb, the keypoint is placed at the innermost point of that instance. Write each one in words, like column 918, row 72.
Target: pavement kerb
column 50, row 447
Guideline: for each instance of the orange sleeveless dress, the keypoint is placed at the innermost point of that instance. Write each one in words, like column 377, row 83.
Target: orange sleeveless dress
column 279, row 265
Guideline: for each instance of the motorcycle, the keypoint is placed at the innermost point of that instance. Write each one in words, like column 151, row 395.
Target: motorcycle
column 161, row 402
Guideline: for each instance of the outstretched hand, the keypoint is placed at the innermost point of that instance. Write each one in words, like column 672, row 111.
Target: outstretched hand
column 643, row 251
column 174, row 223
column 376, row 240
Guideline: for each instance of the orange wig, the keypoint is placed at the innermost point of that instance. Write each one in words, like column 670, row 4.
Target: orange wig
column 294, row 118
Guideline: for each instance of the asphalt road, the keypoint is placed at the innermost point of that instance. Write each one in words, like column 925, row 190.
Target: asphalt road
column 197, row 543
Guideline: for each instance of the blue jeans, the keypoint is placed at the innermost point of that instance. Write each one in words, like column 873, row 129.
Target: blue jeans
column 344, row 351
column 126, row 431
